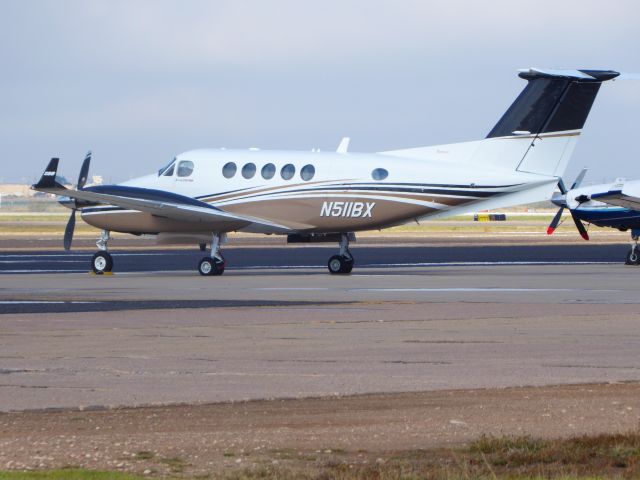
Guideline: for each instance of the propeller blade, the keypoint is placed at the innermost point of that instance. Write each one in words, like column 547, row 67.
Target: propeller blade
column 554, row 223
column 579, row 179
column 68, row 231
column 561, row 186
column 579, row 226
column 84, row 171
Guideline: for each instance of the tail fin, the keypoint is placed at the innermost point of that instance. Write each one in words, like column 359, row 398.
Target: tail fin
column 538, row 132
column 48, row 180
column 547, row 118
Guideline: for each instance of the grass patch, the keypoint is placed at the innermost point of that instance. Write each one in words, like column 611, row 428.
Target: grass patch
column 176, row 464
column 144, row 455
column 523, row 458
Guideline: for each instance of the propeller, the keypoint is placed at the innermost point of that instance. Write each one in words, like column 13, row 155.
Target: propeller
column 71, row 224
column 561, row 201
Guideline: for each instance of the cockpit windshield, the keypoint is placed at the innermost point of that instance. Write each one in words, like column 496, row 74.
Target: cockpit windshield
column 168, row 168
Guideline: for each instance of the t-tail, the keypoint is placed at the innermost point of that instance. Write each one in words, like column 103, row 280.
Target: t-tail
column 538, row 133
column 534, row 139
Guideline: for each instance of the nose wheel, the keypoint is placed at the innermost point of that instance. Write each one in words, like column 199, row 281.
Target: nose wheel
column 102, row 261
column 343, row 262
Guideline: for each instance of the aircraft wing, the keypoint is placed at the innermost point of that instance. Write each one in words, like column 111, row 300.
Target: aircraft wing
column 159, row 203
column 617, row 197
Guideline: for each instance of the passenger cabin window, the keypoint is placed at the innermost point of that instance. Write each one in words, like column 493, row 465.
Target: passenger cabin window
column 307, row 172
column 379, row 174
column 249, row 170
column 268, row 171
column 229, row 170
column 288, row 171
column 185, row 168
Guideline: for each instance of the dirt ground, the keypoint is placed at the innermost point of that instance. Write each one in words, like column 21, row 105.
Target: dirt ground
column 201, row 439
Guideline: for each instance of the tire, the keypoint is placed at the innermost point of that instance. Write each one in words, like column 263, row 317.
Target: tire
column 102, row 262
column 210, row 266
column 206, row 266
column 339, row 264
column 348, row 266
column 633, row 257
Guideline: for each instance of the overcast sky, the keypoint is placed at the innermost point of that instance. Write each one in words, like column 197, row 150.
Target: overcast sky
column 140, row 81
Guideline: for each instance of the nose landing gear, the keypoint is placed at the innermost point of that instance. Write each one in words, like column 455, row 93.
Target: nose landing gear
column 102, row 261
column 215, row 263
column 343, row 262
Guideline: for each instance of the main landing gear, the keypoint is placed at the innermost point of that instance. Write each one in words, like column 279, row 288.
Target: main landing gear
column 633, row 257
column 214, row 264
column 102, row 261
column 343, row 262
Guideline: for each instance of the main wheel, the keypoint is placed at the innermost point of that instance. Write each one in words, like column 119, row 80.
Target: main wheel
column 633, row 258
column 102, row 262
column 340, row 264
column 211, row 266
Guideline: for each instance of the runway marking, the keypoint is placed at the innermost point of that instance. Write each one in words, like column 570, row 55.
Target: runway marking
column 439, row 290
column 40, row 261
column 31, row 302
column 88, row 254
column 477, row 289
column 292, row 288
column 309, row 267
column 45, row 271
column 480, row 264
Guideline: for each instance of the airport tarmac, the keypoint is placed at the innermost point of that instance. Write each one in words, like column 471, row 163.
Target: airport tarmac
column 257, row 333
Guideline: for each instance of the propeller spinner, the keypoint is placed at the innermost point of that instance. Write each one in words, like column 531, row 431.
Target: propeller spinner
column 71, row 224
column 561, row 201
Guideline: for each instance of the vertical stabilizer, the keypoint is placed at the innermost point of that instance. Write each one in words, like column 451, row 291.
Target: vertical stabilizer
column 539, row 131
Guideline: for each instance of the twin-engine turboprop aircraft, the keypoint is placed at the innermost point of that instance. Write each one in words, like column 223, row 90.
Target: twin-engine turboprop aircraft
column 614, row 205
column 312, row 196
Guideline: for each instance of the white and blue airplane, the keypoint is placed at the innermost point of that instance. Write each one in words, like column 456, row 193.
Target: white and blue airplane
column 201, row 195
column 613, row 205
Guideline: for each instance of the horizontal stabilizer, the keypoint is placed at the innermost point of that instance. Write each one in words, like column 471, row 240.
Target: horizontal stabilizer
column 594, row 75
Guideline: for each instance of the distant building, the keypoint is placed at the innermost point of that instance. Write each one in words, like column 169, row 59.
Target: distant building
column 16, row 190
